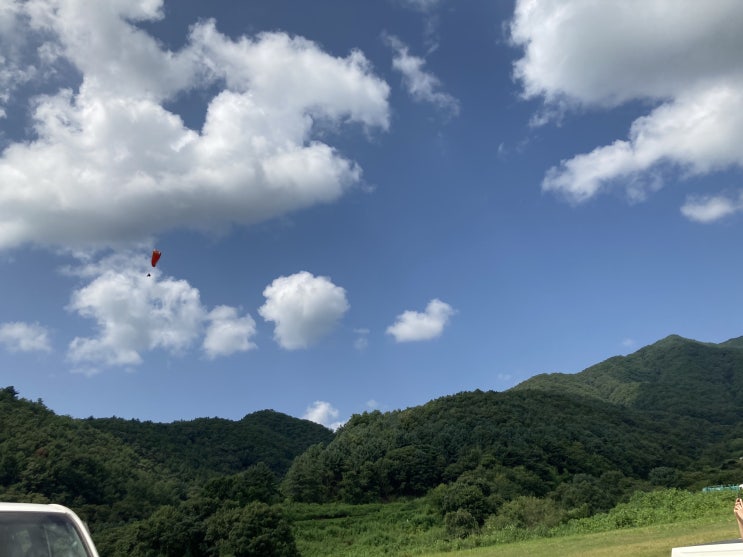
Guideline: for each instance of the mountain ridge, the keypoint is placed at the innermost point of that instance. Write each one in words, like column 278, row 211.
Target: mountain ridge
column 674, row 374
column 219, row 445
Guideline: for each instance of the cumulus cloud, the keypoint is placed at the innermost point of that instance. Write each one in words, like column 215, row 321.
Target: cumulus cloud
column 24, row 337
column 323, row 413
column 579, row 53
column 108, row 162
column 228, row 333
column 135, row 313
column 304, row 308
column 580, row 50
column 414, row 326
column 709, row 208
column 422, row 86
column 700, row 132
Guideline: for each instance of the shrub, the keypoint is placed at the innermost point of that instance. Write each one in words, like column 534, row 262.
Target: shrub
column 460, row 523
column 527, row 512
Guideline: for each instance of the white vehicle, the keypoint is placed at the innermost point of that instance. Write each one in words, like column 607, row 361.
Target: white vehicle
column 33, row 530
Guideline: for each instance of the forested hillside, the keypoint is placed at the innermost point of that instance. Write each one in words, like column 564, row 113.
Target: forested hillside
column 208, row 446
column 502, row 446
column 558, row 446
column 45, row 457
column 674, row 405
column 674, row 375
column 187, row 488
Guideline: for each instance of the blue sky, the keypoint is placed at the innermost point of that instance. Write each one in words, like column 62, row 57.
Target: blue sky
column 360, row 205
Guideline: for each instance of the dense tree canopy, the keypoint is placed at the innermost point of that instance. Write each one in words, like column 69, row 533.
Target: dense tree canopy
column 526, row 443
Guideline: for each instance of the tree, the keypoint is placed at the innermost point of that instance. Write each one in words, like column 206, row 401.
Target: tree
column 460, row 523
column 255, row 530
column 528, row 512
column 306, row 480
column 461, row 495
column 171, row 532
column 410, row 470
column 256, row 483
column 585, row 494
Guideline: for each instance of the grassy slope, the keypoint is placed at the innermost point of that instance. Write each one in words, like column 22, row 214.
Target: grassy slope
column 668, row 519
column 649, row 541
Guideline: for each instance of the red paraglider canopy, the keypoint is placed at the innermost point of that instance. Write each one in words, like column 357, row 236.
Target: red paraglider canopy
column 155, row 256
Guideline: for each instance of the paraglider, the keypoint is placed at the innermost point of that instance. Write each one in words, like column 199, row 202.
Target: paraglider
column 155, row 258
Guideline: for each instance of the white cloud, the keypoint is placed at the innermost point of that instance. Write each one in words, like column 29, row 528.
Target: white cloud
column 24, row 337
column 605, row 54
column 700, row 132
column 227, row 333
column 109, row 163
column 582, row 53
column 135, row 313
column 421, row 85
column 323, row 413
column 710, row 208
column 414, row 326
column 304, row 308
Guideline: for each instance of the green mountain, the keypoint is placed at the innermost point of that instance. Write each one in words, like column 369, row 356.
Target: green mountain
column 45, row 457
column 674, row 375
column 209, row 446
column 516, row 443
column 669, row 414
column 110, row 468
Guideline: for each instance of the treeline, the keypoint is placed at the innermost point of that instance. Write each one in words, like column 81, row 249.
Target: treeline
column 674, row 375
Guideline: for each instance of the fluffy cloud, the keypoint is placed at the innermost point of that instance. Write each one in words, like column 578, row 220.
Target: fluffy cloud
column 711, row 208
column 582, row 53
column 228, row 333
column 413, row 326
column 421, row 85
column 136, row 313
column 24, row 337
column 323, row 413
column 109, row 163
column 303, row 307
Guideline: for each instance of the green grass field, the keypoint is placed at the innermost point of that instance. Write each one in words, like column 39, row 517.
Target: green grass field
column 649, row 541
column 649, row 525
